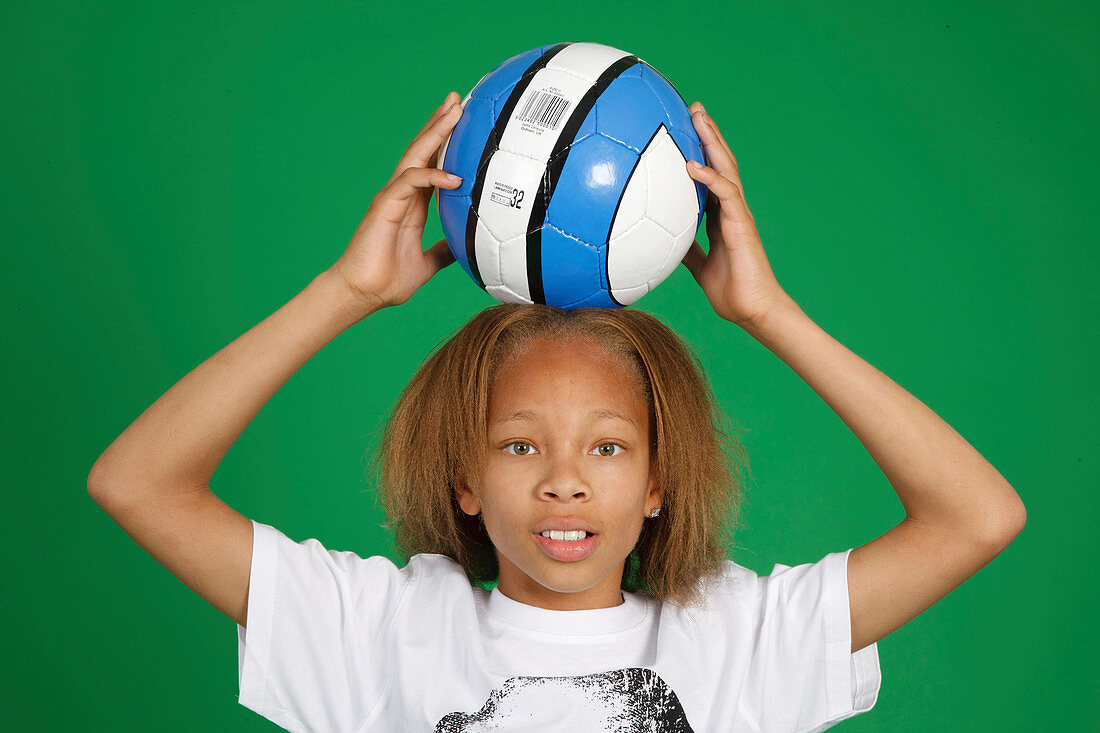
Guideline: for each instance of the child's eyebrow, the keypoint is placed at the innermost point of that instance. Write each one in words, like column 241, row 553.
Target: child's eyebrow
column 601, row 414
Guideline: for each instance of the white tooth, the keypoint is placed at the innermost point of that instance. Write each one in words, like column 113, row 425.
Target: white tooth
column 567, row 535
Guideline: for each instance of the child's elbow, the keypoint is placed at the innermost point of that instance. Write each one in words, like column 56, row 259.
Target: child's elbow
column 1010, row 523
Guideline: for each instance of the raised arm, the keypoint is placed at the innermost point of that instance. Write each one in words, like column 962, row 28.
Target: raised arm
column 960, row 512
column 154, row 479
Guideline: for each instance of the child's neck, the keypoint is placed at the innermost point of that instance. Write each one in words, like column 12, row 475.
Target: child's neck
column 523, row 589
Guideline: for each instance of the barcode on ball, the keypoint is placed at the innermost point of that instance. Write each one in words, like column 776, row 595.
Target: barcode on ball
column 544, row 109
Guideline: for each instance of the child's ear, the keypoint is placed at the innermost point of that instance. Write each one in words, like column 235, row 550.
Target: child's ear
column 466, row 498
column 656, row 491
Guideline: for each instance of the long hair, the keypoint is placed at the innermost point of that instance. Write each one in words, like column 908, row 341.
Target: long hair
column 436, row 437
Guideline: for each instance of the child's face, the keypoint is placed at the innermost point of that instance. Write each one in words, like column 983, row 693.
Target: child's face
column 557, row 458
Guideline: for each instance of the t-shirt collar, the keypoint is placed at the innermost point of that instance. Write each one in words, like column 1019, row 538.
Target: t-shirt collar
column 627, row 614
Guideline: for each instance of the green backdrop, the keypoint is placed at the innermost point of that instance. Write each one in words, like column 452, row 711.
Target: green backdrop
column 921, row 175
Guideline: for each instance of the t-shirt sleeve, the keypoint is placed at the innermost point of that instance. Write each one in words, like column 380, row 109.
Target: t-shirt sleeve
column 805, row 677
column 312, row 657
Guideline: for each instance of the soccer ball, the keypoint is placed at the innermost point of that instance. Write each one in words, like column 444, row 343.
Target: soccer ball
column 575, row 190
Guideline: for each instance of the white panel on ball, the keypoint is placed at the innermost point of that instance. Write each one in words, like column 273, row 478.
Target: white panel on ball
column 488, row 259
column 505, row 295
column 622, row 251
column 676, row 205
column 635, row 254
column 586, row 60
column 626, row 296
column 513, row 267
column 533, row 140
column 680, row 246
column 632, row 205
column 500, row 220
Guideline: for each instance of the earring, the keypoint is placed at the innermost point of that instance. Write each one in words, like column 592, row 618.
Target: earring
column 655, row 512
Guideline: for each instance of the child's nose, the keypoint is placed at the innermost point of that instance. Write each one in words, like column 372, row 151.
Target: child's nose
column 564, row 481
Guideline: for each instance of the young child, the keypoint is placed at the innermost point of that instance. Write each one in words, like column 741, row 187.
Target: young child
column 578, row 459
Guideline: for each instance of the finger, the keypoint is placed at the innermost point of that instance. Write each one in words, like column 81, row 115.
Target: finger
column 440, row 111
column 394, row 199
column 421, row 150
column 694, row 259
column 416, row 215
column 718, row 152
column 721, row 138
column 713, row 126
column 450, row 99
column 438, row 256
column 436, row 160
column 430, row 140
column 730, row 196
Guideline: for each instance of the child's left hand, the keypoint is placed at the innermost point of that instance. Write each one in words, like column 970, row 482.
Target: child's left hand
column 735, row 274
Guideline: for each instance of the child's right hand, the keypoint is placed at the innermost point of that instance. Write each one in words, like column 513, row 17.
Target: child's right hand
column 386, row 262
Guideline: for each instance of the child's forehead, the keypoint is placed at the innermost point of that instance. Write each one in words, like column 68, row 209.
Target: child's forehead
column 545, row 355
column 565, row 372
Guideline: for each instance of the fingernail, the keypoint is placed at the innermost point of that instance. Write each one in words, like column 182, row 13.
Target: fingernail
column 453, row 177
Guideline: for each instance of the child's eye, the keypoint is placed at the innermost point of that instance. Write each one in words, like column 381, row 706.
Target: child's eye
column 609, row 449
column 521, row 448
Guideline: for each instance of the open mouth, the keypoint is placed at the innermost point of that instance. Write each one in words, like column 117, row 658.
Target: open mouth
column 567, row 545
column 572, row 535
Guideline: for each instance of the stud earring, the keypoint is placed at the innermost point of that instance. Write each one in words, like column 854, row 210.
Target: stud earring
column 655, row 512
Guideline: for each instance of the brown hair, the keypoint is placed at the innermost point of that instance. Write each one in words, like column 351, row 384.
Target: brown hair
column 436, row 436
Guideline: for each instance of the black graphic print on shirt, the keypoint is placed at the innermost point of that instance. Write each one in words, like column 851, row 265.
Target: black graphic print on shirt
column 623, row 700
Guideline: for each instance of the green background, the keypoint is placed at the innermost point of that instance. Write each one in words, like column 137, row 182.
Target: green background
column 923, row 177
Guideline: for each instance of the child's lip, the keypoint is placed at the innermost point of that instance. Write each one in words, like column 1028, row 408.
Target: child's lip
column 567, row 551
column 565, row 524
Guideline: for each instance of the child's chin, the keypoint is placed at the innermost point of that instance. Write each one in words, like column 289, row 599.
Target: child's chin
column 575, row 589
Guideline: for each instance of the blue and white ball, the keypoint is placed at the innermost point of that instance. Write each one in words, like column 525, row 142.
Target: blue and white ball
column 575, row 191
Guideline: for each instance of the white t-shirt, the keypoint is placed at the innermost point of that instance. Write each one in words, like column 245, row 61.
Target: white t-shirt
column 336, row 642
